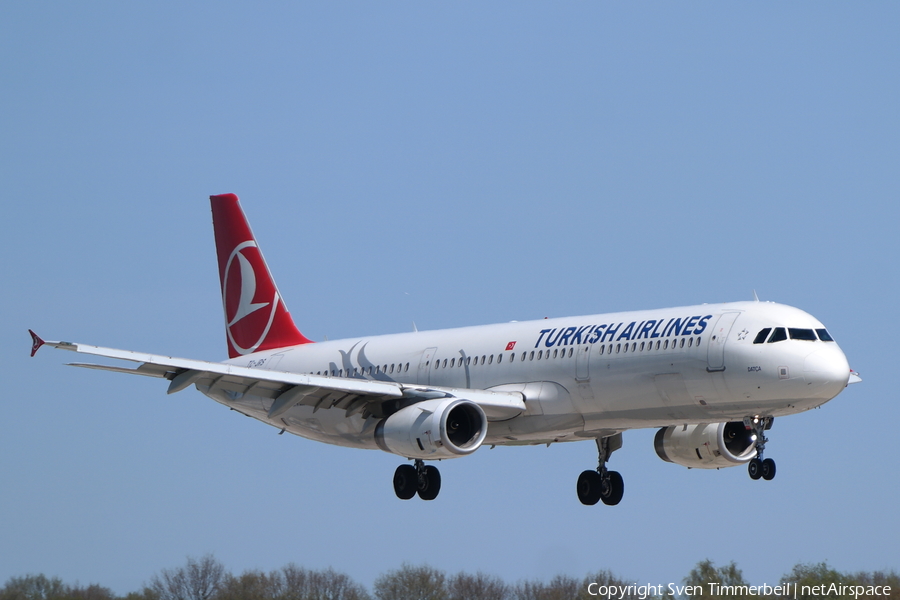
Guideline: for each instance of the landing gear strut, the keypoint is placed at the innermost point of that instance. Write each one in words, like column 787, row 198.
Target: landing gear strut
column 759, row 467
column 410, row 480
column 602, row 484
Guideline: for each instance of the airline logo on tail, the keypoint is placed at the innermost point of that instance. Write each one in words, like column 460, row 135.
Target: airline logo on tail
column 239, row 292
column 255, row 316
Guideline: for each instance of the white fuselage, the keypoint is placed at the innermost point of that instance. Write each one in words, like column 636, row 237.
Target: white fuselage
column 582, row 377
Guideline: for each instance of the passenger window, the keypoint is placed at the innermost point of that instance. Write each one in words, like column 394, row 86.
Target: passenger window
column 555, row 353
column 571, row 350
column 824, row 335
column 625, row 349
column 778, row 335
column 618, row 348
column 690, row 342
column 499, row 358
column 531, row 356
column 602, row 347
column 807, row 335
column 392, row 367
column 642, row 346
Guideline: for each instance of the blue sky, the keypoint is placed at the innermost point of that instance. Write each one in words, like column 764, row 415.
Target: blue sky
column 448, row 164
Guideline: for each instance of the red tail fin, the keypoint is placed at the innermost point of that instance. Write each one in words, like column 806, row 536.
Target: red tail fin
column 255, row 316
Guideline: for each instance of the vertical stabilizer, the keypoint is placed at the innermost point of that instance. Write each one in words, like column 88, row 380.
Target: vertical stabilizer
column 255, row 316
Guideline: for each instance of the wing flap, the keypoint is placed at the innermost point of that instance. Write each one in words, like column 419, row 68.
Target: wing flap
column 289, row 389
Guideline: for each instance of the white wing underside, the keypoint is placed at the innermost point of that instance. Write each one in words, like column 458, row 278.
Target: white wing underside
column 291, row 389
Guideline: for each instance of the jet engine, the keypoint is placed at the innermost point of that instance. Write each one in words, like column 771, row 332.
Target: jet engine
column 706, row 445
column 433, row 429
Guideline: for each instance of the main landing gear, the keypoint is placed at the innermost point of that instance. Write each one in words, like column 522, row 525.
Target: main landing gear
column 410, row 480
column 758, row 467
column 602, row 484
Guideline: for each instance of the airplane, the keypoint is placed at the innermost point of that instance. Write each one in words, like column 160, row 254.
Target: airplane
column 711, row 377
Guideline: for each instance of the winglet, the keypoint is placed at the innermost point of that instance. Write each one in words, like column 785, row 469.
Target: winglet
column 36, row 342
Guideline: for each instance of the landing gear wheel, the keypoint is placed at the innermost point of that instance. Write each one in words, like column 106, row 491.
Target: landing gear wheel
column 613, row 488
column 429, row 485
column 602, row 484
column 405, row 482
column 768, row 469
column 755, row 468
column 590, row 487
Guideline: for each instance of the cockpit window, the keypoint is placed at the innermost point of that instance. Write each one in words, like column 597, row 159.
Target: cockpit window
column 807, row 335
column 824, row 335
column 779, row 335
column 762, row 335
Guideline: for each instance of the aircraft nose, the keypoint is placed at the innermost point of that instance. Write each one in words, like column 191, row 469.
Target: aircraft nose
column 827, row 371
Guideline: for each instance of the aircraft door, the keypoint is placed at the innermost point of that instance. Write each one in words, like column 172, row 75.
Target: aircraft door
column 582, row 362
column 718, row 335
column 424, row 374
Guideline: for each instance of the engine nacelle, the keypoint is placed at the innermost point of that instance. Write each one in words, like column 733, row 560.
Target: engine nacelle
column 707, row 445
column 441, row 428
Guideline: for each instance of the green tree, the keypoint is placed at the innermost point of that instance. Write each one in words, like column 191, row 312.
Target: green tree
column 251, row 585
column 412, row 583
column 91, row 592
column 197, row 580
column 40, row 587
column 880, row 578
column 812, row 575
column 33, row 587
column 726, row 579
column 464, row 586
column 561, row 587
column 304, row 584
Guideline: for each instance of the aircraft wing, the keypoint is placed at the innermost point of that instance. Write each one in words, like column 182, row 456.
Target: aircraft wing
column 287, row 389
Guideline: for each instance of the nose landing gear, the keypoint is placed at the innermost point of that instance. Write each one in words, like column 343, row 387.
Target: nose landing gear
column 602, row 484
column 423, row 480
column 759, row 467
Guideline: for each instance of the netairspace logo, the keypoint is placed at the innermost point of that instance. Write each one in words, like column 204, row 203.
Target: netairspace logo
column 787, row 590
